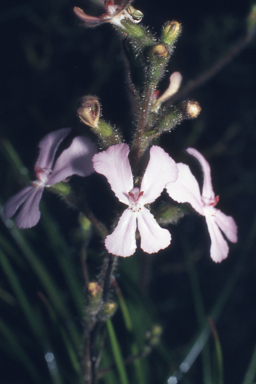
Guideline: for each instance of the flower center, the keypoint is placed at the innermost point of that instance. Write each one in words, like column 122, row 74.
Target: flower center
column 134, row 196
column 42, row 175
column 111, row 8
column 209, row 205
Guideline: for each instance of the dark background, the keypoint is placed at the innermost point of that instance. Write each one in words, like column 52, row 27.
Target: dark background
column 48, row 62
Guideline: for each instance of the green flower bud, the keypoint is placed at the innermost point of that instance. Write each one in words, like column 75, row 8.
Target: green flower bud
column 171, row 32
column 94, row 291
column 160, row 50
column 109, row 309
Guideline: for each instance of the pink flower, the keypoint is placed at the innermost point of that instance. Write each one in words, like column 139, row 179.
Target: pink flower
column 114, row 165
column 116, row 10
column 186, row 190
column 75, row 160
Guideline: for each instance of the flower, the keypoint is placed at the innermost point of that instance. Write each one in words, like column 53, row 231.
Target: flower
column 116, row 10
column 114, row 165
column 75, row 160
column 186, row 190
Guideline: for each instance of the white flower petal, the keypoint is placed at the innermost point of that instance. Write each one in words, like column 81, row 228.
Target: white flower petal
column 186, row 189
column 114, row 165
column 219, row 247
column 29, row 213
column 175, row 82
column 122, row 241
column 207, row 190
column 48, row 147
column 161, row 170
column 14, row 202
column 227, row 225
column 75, row 160
column 153, row 237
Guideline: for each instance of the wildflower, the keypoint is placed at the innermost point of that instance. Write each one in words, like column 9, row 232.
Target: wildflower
column 186, row 190
column 116, row 10
column 114, row 165
column 75, row 160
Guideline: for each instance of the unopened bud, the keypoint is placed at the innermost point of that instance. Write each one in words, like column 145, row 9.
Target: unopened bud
column 94, row 298
column 171, row 32
column 135, row 14
column 89, row 111
column 193, row 109
column 160, row 50
column 94, row 290
column 109, row 309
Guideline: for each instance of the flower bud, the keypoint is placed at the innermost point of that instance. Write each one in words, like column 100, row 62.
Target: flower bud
column 89, row 111
column 94, row 290
column 171, row 32
column 109, row 309
column 160, row 50
column 135, row 14
column 94, row 298
column 192, row 109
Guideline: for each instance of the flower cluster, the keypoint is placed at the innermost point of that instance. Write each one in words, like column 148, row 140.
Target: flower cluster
column 162, row 172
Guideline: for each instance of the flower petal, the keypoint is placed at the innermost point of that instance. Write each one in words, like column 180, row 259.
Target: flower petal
column 161, row 170
column 219, row 247
column 175, row 82
column 89, row 21
column 75, row 160
column 14, row 202
column 153, row 237
column 186, row 189
column 48, row 147
column 29, row 213
column 227, row 225
column 114, row 165
column 207, row 190
column 122, row 241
